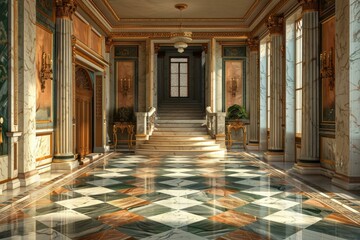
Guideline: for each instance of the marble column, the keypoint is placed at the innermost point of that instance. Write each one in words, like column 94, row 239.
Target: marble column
column 254, row 94
column 262, row 89
column 308, row 161
column 347, row 101
column 27, row 172
column 275, row 146
column 64, row 155
column 149, row 74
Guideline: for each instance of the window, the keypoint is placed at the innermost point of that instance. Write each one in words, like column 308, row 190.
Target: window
column 268, row 70
column 179, row 77
column 298, row 77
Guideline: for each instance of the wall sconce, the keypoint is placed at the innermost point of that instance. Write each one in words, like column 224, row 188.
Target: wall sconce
column 233, row 86
column 125, row 85
column 46, row 72
column 327, row 67
column 1, row 124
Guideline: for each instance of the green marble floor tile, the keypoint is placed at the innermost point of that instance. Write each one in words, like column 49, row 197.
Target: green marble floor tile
column 151, row 210
column 97, row 210
column 256, row 210
column 154, row 196
column 202, row 196
column 107, row 197
column 208, row 229
column 336, row 229
column 271, row 230
column 310, row 210
column 247, row 196
column 120, row 186
column 142, row 229
column 203, row 210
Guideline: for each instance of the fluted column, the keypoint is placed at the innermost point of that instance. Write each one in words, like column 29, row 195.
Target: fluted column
column 309, row 155
column 27, row 172
column 254, row 93
column 347, row 100
column 64, row 155
column 275, row 146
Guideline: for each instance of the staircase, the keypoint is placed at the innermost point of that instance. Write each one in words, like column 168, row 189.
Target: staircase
column 180, row 130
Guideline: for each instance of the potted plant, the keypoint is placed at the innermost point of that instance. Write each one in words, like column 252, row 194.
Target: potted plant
column 236, row 112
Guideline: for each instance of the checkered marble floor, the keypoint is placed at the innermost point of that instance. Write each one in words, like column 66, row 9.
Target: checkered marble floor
column 178, row 197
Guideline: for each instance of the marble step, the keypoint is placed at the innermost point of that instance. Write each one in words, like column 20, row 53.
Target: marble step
column 171, row 121
column 181, row 152
column 179, row 125
column 177, row 133
column 182, row 129
column 179, row 142
column 179, row 147
column 181, row 137
column 182, row 118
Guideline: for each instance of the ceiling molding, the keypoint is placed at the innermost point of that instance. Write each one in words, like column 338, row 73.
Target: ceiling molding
column 166, row 35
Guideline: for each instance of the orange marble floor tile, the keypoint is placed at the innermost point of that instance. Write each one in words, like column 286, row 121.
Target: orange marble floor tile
column 242, row 234
column 135, row 191
column 339, row 218
column 59, row 190
column 221, row 191
column 213, row 175
column 317, row 203
column 13, row 217
column 111, row 234
column 40, row 202
column 228, row 202
column 119, row 218
column 234, row 218
column 144, row 175
column 129, row 202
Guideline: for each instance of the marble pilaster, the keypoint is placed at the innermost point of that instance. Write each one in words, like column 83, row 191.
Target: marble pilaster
column 27, row 172
column 275, row 146
column 254, row 92
column 309, row 154
column 64, row 155
column 262, row 96
column 347, row 101
column 290, row 92
column 219, row 98
column 149, row 74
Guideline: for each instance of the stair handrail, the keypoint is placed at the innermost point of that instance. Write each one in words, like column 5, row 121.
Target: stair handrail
column 150, row 121
column 210, row 122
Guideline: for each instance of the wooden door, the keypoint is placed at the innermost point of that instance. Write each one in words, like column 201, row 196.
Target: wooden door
column 83, row 113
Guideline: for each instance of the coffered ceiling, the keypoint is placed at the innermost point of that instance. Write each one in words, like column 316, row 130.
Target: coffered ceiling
column 162, row 16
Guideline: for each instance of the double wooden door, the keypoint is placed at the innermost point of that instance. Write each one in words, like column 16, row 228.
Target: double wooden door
column 84, row 113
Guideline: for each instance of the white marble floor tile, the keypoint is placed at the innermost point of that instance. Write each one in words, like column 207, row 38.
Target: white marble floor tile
column 239, row 170
column 178, row 165
column 178, row 170
column 110, row 175
column 245, row 175
column 104, row 182
column 178, row 175
column 293, row 218
column 177, row 219
column 308, row 234
column 79, row 202
column 178, row 182
column 275, row 203
column 178, row 192
column 61, row 218
column 118, row 169
column 94, row 191
column 252, row 182
column 174, row 234
column 178, row 203
column 263, row 191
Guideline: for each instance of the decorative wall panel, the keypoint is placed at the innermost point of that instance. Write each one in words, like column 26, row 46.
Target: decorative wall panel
column 4, row 74
column 234, row 82
column 43, row 146
column 327, row 152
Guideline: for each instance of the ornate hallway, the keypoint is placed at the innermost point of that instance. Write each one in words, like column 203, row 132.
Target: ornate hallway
column 178, row 197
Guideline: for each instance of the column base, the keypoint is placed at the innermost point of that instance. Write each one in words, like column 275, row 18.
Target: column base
column 29, row 178
column 347, row 183
column 221, row 139
column 64, row 165
column 274, row 156
column 253, row 146
column 308, row 169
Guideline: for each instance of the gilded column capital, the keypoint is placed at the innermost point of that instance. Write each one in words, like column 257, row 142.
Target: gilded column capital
column 275, row 24
column 108, row 43
column 65, row 8
column 309, row 5
column 73, row 47
column 253, row 44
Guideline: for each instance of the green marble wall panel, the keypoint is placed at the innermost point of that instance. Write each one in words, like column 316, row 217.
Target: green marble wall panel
column 4, row 71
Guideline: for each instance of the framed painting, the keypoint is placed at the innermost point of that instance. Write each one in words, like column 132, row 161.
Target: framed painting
column 44, row 88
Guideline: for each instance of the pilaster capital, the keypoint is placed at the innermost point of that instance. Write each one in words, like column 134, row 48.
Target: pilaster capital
column 65, row 8
column 156, row 48
column 275, row 24
column 253, row 44
column 108, row 43
column 309, row 5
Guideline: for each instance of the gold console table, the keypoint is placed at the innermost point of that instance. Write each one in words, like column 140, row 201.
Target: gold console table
column 122, row 126
column 234, row 127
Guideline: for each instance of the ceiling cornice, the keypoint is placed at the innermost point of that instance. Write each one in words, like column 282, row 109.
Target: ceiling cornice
column 166, row 35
